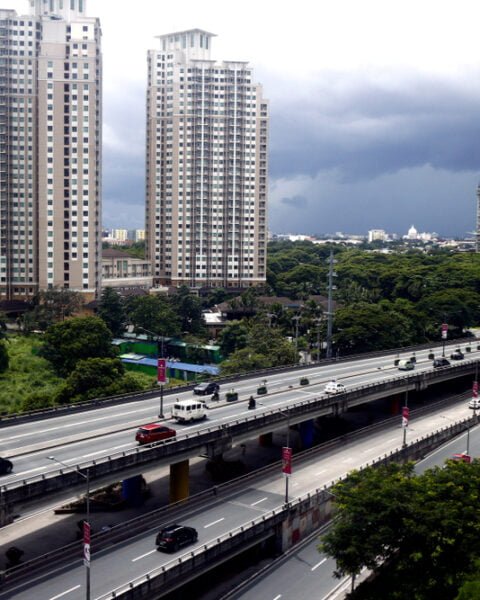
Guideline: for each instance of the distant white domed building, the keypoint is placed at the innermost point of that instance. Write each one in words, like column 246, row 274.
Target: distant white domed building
column 412, row 233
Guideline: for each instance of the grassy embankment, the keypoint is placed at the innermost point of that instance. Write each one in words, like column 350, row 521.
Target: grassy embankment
column 29, row 375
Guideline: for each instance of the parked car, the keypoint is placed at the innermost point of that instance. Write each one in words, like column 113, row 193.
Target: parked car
column 474, row 404
column 154, row 432
column 457, row 355
column 440, row 362
column 6, row 466
column 206, row 388
column 334, row 387
column 406, row 365
column 173, row 537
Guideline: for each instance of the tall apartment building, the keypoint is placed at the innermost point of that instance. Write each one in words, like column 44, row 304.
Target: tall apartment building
column 50, row 149
column 206, row 196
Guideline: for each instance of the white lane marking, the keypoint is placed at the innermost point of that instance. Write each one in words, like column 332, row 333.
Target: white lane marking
column 65, row 593
column 66, row 425
column 318, row 564
column 320, row 472
column 391, row 440
column 29, row 471
column 121, row 446
column 258, row 501
column 94, row 453
column 214, row 522
column 277, row 597
column 143, row 555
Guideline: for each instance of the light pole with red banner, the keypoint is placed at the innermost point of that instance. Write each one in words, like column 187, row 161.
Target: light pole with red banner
column 444, row 336
column 86, row 523
column 405, row 419
column 286, row 456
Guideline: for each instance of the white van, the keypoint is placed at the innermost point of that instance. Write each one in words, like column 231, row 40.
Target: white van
column 189, row 410
column 405, row 365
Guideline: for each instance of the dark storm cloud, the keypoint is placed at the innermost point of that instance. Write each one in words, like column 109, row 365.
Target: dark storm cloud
column 365, row 129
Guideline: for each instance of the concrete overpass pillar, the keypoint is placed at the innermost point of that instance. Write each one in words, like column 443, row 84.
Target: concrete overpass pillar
column 179, row 481
column 307, row 431
column 266, row 440
column 395, row 404
column 6, row 516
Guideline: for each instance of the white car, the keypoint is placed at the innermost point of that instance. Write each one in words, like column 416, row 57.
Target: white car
column 333, row 387
column 474, row 404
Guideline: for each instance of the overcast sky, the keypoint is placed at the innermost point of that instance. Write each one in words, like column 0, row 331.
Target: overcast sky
column 374, row 106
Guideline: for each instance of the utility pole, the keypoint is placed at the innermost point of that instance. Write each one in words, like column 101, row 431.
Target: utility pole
column 330, row 312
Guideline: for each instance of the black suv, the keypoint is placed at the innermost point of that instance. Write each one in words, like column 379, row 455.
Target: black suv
column 175, row 536
column 457, row 355
column 203, row 389
column 6, row 466
column 440, row 362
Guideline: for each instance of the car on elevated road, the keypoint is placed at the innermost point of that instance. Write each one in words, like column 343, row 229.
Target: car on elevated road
column 154, row 432
column 334, row 387
column 173, row 537
column 6, row 466
column 457, row 355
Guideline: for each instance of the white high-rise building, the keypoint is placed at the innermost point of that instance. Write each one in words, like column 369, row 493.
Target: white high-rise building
column 50, row 149
column 207, row 141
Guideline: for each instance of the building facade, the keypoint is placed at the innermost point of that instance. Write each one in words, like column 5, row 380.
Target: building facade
column 50, row 149
column 206, row 191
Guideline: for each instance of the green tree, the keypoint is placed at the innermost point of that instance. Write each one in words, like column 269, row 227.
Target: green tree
column 365, row 327
column 112, row 311
column 371, row 508
column 75, row 339
column 233, row 337
column 91, row 378
column 60, row 302
column 244, row 361
column 155, row 314
column 188, row 309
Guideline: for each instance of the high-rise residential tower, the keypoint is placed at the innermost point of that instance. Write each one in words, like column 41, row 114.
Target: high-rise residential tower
column 207, row 129
column 50, row 149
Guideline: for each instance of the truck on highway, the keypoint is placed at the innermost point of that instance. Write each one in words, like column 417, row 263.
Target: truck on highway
column 189, row 410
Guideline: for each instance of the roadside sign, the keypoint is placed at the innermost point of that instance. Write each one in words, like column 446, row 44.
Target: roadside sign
column 405, row 416
column 475, row 389
column 86, row 543
column 161, row 370
column 287, row 461
column 444, row 331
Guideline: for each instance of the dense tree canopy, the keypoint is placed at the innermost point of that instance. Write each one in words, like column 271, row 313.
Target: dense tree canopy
column 69, row 341
column 420, row 531
column 112, row 311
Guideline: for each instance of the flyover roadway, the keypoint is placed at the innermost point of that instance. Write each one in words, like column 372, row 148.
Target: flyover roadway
column 88, row 436
column 116, row 567
column 307, row 573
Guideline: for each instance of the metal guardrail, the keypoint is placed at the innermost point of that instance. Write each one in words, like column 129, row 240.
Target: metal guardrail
column 43, row 413
column 125, row 530
column 220, row 437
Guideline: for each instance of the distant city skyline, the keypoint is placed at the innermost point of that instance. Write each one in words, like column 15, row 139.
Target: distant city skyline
column 374, row 107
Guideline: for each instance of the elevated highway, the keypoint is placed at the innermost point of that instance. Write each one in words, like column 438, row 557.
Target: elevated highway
column 112, row 451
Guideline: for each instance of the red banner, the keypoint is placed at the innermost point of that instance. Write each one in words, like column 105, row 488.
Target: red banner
column 86, row 543
column 475, row 389
column 161, row 370
column 444, row 331
column 287, row 461
column 405, row 416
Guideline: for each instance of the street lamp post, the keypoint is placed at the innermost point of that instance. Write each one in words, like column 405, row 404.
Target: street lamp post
column 405, row 417
column 287, row 455
column 296, row 319
column 161, row 366
column 86, row 524
column 318, row 321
